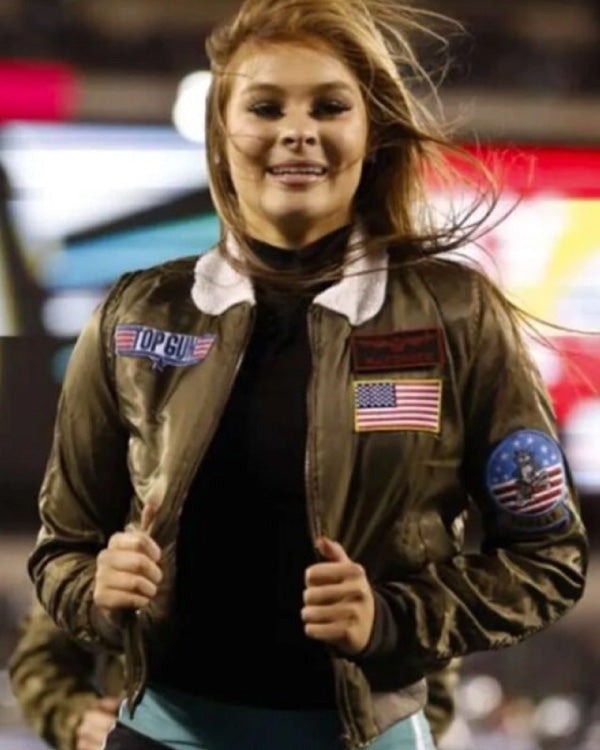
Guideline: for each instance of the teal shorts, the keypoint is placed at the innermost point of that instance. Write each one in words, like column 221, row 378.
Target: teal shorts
column 181, row 721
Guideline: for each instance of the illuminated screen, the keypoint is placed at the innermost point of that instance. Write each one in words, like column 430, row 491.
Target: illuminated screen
column 85, row 203
column 546, row 255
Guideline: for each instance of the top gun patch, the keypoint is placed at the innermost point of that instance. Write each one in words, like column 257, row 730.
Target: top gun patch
column 526, row 478
column 161, row 347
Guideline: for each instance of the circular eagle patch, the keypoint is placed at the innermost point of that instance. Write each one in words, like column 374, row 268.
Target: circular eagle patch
column 526, row 474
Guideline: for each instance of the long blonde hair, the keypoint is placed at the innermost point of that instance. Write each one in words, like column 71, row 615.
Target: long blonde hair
column 407, row 144
column 410, row 145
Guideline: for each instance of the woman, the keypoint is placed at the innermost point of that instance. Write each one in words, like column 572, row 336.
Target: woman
column 291, row 429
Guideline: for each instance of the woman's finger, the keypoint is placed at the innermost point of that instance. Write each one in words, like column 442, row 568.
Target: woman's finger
column 136, row 541
column 128, row 562
column 116, row 580
column 345, row 591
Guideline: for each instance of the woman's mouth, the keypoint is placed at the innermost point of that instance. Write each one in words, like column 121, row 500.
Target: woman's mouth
column 297, row 174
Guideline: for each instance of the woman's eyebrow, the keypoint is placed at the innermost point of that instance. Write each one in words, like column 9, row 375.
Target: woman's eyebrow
column 272, row 88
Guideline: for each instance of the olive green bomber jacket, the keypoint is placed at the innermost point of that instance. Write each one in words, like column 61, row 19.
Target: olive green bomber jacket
column 142, row 397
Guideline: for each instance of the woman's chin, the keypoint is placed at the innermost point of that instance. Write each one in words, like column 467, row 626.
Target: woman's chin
column 303, row 219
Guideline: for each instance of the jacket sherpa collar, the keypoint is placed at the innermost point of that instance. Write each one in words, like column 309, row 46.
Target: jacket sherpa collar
column 358, row 296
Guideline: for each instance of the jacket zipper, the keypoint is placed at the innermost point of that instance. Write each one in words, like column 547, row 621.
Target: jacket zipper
column 315, row 520
column 134, row 698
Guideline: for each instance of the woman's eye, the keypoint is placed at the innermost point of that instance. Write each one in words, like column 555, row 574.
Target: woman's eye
column 265, row 109
column 329, row 108
column 325, row 108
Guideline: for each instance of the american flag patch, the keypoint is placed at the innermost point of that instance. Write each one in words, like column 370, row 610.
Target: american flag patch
column 526, row 474
column 399, row 404
column 161, row 347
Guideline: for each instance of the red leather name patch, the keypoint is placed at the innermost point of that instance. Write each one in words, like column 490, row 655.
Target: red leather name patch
column 398, row 351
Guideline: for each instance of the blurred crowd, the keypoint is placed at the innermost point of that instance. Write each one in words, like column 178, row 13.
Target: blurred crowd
column 533, row 45
column 490, row 719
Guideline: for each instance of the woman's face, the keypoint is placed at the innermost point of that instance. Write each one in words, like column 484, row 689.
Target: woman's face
column 296, row 139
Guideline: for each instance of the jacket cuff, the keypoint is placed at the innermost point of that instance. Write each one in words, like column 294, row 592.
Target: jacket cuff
column 384, row 634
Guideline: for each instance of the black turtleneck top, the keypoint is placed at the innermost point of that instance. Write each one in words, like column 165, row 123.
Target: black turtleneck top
column 244, row 541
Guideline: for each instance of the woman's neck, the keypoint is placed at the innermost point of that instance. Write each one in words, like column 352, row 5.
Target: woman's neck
column 295, row 240
column 321, row 252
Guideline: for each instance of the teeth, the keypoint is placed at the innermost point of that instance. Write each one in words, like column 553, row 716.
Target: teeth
column 297, row 170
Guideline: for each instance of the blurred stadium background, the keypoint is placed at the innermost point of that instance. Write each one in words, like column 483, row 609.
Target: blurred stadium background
column 102, row 161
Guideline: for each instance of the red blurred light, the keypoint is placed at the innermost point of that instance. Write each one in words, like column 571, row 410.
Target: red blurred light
column 37, row 90
column 572, row 171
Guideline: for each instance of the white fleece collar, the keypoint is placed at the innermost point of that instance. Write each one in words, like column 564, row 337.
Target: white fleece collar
column 358, row 296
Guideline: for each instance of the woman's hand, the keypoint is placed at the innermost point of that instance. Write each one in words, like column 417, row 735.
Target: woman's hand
column 127, row 571
column 339, row 607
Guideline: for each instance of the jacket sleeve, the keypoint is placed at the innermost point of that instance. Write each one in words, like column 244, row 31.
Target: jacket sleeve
column 51, row 679
column 530, row 566
column 86, row 491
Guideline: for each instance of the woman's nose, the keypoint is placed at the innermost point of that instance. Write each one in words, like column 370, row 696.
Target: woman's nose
column 299, row 133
